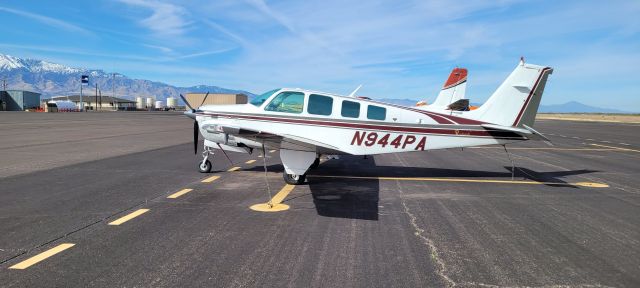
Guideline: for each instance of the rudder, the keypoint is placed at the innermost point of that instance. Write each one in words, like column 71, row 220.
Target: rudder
column 516, row 101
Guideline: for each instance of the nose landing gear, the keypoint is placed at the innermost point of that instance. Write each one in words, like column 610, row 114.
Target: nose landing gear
column 205, row 165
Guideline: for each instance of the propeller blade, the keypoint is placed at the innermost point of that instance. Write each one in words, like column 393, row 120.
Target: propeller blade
column 205, row 98
column 187, row 103
column 195, row 137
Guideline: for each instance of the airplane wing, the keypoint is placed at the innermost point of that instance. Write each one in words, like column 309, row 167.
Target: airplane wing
column 285, row 141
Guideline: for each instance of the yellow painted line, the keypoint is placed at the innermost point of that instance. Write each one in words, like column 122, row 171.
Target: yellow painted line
column 275, row 204
column 584, row 184
column 210, row 179
column 179, row 193
column 234, row 169
column 546, row 148
column 617, row 148
column 279, row 197
column 271, row 151
column 250, row 161
column 130, row 216
column 44, row 255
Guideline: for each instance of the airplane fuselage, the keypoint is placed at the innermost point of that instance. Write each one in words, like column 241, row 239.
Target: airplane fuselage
column 396, row 129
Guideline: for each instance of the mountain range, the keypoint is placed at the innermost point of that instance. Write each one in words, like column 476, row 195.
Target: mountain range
column 52, row 79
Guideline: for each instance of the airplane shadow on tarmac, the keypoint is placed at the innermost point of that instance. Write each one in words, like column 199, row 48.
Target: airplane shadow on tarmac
column 358, row 198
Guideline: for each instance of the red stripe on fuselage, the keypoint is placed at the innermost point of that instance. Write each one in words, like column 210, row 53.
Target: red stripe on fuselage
column 443, row 131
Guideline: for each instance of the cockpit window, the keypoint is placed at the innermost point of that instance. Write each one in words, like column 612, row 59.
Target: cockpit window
column 289, row 102
column 263, row 97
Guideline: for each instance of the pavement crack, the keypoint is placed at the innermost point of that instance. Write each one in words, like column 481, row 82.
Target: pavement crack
column 433, row 250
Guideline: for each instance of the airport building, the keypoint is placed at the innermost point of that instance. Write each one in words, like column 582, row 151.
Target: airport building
column 195, row 99
column 18, row 100
column 101, row 103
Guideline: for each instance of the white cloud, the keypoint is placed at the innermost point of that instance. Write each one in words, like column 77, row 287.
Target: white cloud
column 49, row 21
column 166, row 19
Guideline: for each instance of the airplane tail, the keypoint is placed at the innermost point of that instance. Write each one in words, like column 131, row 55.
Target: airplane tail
column 515, row 103
column 453, row 89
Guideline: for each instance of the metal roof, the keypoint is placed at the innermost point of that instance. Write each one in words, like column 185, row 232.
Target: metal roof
column 92, row 98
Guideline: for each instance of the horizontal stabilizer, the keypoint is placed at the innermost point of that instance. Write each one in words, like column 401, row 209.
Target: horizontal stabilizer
column 526, row 131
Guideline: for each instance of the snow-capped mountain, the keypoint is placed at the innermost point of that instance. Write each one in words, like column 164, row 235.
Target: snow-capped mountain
column 52, row 79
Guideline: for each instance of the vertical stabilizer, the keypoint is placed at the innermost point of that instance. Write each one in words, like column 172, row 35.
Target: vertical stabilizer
column 516, row 101
column 454, row 88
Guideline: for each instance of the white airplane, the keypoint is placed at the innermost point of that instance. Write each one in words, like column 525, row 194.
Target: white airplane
column 453, row 91
column 304, row 124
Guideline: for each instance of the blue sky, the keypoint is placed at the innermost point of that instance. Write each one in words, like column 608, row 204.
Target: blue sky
column 396, row 49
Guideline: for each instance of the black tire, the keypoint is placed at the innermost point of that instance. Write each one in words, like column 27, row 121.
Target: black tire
column 204, row 167
column 315, row 164
column 293, row 179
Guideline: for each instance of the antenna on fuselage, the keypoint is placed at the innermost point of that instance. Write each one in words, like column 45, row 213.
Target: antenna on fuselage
column 353, row 94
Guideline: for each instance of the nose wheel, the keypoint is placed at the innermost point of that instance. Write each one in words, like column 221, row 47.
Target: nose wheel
column 205, row 165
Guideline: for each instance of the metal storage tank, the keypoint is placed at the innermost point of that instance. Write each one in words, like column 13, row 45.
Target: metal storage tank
column 139, row 102
column 61, row 106
column 171, row 102
column 150, row 101
column 159, row 105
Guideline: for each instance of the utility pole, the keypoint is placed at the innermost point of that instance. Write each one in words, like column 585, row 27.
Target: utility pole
column 84, row 79
column 81, row 105
column 113, row 94
column 96, row 102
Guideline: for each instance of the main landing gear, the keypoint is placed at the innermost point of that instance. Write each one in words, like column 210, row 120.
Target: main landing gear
column 294, row 179
column 205, row 165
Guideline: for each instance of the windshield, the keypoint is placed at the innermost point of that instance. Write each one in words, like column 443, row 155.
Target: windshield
column 263, row 97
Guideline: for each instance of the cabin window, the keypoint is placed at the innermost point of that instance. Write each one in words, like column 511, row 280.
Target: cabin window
column 320, row 105
column 350, row 109
column 258, row 101
column 288, row 102
column 376, row 112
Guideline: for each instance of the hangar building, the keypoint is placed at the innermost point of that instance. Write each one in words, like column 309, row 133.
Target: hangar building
column 102, row 103
column 18, row 100
column 195, row 99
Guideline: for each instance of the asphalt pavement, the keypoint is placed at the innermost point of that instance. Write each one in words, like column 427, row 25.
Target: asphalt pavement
column 570, row 215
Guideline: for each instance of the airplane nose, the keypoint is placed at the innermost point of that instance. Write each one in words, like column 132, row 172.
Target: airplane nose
column 190, row 114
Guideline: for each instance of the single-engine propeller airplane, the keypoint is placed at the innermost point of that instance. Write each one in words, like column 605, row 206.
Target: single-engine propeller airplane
column 304, row 124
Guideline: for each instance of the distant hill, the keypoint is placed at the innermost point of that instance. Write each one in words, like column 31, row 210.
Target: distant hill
column 52, row 79
column 576, row 107
column 569, row 107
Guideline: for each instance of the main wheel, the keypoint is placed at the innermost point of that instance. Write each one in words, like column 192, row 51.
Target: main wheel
column 315, row 164
column 204, row 166
column 293, row 179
